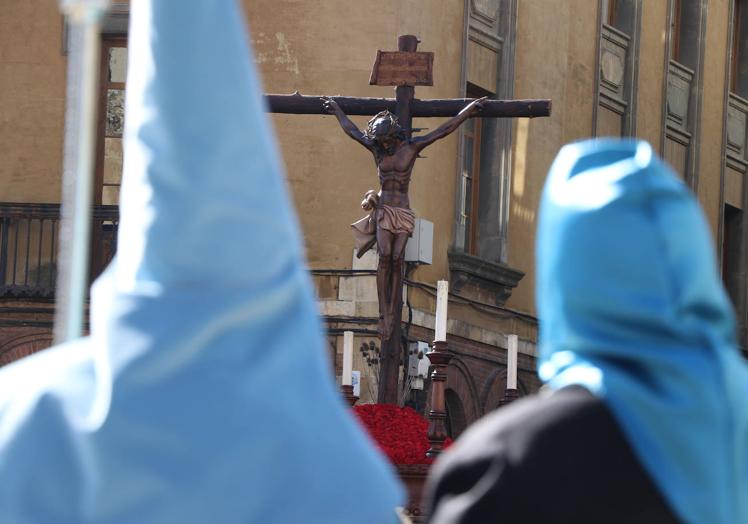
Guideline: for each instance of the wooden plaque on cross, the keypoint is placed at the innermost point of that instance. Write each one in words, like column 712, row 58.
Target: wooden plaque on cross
column 403, row 68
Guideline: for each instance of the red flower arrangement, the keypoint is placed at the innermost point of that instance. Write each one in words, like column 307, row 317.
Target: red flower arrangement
column 401, row 433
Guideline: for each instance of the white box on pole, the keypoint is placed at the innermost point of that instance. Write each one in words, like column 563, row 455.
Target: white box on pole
column 420, row 246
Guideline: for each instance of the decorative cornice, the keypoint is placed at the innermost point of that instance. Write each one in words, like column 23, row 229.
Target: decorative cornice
column 491, row 276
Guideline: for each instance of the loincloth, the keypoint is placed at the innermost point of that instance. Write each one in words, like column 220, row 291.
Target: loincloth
column 397, row 220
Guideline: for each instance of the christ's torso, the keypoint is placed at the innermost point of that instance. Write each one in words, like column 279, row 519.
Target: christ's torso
column 394, row 172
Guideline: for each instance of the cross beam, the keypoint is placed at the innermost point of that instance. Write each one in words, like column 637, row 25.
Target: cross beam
column 299, row 104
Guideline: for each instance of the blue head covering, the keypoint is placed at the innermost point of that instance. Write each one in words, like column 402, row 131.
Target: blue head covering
column 632, row 308
column 203, row 393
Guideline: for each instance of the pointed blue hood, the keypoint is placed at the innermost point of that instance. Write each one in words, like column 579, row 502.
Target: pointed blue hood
column 632, row 307
column 204, row 393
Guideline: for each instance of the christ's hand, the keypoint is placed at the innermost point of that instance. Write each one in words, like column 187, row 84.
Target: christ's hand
column 476, row 106
column 330, row 105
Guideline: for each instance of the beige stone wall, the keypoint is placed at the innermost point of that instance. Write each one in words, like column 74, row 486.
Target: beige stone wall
column 652, row 72
column 32, row 100
column 555, row 59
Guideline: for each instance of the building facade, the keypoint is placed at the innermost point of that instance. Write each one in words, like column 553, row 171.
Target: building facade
column 670, row 72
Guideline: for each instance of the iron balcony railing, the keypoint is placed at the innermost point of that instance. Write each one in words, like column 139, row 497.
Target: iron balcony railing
column 29, row 242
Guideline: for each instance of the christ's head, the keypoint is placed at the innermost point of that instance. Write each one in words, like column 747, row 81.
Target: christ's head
column 385, row 129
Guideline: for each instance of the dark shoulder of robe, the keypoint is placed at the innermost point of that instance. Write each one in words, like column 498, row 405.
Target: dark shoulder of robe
column 555, row 458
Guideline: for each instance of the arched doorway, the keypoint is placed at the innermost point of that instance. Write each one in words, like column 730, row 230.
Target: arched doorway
column 456, row 421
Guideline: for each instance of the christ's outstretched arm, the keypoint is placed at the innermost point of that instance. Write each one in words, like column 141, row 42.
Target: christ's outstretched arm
column 450, row 125
column 332, row 107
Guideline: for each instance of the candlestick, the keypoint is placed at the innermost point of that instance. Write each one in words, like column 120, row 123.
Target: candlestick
column 511, row 393
column 348, row 395
column 437, row 432
column 442, row 298
column 347, row 358
column 511, row 362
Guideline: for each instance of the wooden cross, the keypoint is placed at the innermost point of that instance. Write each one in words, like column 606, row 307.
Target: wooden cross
column 403, row 69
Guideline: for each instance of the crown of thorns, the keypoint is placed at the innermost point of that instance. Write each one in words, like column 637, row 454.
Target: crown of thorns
column 392, row 129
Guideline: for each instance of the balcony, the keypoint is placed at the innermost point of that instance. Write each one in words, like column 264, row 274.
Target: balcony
column 29, row 242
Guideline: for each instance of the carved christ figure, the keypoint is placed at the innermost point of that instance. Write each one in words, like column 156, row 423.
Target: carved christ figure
column 391, row 220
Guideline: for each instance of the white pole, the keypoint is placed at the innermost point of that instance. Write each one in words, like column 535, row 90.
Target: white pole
column 347, row 358
column 442, row 299
column 75, row 228
column 511, row 362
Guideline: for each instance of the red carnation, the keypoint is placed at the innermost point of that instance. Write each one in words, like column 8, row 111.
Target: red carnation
column 400, row 432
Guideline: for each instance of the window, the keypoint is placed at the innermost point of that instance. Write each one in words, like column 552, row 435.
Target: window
column 455, row 422
column 109, row 151
column 485, row 149
column 111, row 120
column 675, row 30
column 477, row 262
column 730, row 240
column 621, row 15
column 734, row 218
column 733, row 258
column 614, row 110
column 683, row 106
column 111, row 109
column 739, row 50
column 686, row 32
column 473, row 143
column 686, row 36
column 609, row 12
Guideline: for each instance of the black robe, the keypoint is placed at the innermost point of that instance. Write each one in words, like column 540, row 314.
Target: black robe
column 550, row 458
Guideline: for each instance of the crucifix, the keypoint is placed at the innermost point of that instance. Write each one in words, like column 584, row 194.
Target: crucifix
column 389, row 137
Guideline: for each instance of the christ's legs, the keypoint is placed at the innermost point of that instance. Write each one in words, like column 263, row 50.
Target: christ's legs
column 396, row 275
column 385, row 241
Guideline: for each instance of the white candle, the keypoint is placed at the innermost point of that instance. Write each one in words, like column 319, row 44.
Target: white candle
column 511, row 362
column 442, row 296
column 347, row 358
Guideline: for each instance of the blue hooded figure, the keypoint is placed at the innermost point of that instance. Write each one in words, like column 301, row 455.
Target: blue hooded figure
column 633, row 309
column 646, row 417
column 203, row 393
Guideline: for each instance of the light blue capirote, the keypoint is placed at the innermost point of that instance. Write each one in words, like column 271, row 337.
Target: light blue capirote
column 632, row 307
column 203, row 393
